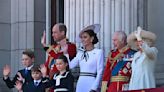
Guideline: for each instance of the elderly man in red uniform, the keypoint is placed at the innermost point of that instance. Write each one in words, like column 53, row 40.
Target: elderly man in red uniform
column 118, row 67
column 61, row 46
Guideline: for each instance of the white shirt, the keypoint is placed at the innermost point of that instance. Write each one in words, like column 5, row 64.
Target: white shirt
column 29, row 68
column 93, row 63
column 38, row 81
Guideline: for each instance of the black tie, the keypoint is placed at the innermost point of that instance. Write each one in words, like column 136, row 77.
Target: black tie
column 36, row 83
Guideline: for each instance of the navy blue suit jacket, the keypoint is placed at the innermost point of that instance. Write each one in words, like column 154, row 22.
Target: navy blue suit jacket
column 32, row 88
column 28, row 78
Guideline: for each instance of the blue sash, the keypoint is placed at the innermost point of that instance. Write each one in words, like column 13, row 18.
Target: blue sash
column 121, row 63
column 52, row 62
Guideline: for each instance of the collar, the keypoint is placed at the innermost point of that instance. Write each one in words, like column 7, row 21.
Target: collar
column 37, row 81
column 29, row 68
column 58, row 77
column 63, row 41
column 61, row 76
column 83, row 49
column 123, row 49
column 120, row 54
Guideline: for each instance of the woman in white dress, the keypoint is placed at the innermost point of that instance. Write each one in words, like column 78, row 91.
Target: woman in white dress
column 144, row 60
column 90, row 60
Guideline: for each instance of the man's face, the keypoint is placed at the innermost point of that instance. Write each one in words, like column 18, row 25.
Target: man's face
column 116, row 41
column 36, row 75
column 26, row 60
column 57, row 34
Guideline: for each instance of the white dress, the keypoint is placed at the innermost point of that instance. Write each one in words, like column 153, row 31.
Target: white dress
column 143, row 66
column 91, row 69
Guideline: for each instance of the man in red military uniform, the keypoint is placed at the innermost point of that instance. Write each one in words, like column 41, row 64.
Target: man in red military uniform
column 118, row 67
column 62, row 46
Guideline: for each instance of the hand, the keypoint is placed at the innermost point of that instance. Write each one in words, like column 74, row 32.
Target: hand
column 43, row 69
column 64, row 49
column 139, row 44
column 6, row 71
column 20, row 78
column 138, row 33
column 18, row 86
column 63, row 42
column 43, row 39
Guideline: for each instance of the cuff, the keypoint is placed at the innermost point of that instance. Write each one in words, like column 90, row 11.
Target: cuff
column 104, row 86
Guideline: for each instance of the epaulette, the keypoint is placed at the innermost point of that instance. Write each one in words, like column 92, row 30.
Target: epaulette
column 55, row 48
column 110, row 53
column 111, row 59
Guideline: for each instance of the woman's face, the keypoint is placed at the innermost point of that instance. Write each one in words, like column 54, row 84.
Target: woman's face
column 139, row 44
column 86, row 39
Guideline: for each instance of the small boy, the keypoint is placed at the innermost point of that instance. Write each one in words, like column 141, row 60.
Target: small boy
column 38, row 84
column 23, row 75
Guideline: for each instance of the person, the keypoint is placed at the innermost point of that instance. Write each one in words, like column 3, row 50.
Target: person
column 23, row 75
column 144, row 60
column 39, row 84
column 118, row 67
column 59, row 35
column 63, row 80
column 90, row 61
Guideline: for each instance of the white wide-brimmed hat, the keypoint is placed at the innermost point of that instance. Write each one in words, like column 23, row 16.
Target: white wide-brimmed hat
column 146, row 36
column 94, row 27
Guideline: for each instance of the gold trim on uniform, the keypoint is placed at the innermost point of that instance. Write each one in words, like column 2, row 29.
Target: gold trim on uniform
column 104, row 86
column 125, row 70
column 119, row 78
column 49, row 49
column 118, row 56
column 56, row 49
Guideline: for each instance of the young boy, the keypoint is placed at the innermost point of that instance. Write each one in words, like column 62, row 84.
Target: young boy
column 38, row 84
column 23, row 75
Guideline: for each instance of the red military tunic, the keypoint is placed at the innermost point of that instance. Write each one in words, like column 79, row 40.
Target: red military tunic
column 114, row 83
column 53, row 53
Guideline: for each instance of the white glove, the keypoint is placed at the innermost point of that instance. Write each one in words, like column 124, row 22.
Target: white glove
column 138, row 33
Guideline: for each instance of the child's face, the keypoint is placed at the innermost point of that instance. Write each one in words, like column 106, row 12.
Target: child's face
column 36, row 75
column 60, row 65
column 26, row 60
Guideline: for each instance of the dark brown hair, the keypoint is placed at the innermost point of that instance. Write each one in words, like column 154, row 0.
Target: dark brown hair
column 62, row 27
column 35, row 68
column 29, row 53
column 91, row 34
column 65, row 60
